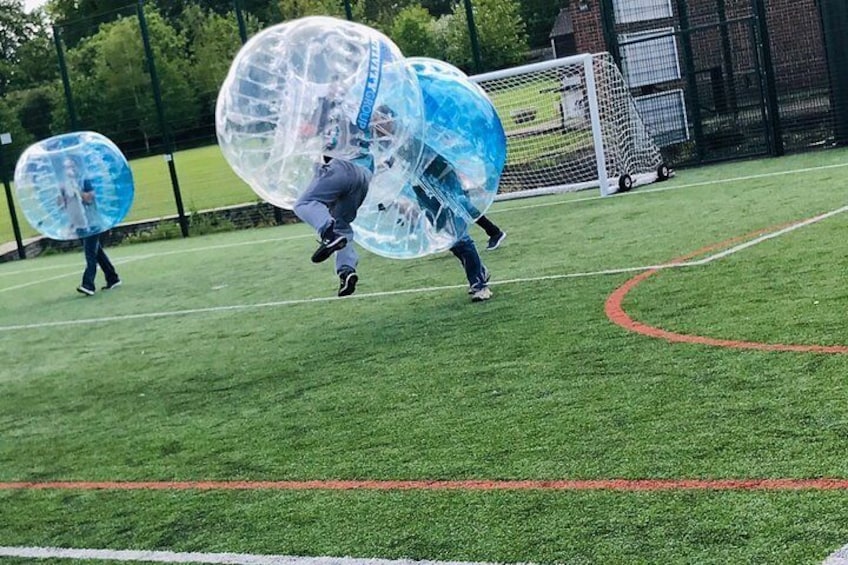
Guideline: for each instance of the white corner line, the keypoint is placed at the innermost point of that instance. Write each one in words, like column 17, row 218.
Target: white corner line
column 198, row 557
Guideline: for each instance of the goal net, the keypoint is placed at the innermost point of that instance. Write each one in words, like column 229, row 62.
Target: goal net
column 571, row 124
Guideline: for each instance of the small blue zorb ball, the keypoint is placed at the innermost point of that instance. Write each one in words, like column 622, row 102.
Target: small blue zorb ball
column 74, row 185
column 456, row 178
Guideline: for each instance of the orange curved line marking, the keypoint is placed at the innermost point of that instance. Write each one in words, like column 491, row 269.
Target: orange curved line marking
column 629, row 485
column 616, row 314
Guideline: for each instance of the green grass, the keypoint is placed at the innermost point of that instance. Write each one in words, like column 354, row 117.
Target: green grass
column 535, row 384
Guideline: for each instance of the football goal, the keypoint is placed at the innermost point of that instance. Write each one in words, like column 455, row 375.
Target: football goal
column 571, row 124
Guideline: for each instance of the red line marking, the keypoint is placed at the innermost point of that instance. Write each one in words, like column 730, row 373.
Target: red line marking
column 616, row 314
column 629, row 485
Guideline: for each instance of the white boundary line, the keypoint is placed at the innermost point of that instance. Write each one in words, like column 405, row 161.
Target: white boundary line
column 509, row 209
column 296, row 302
column 197, row 557
column 674, row 187
column 838, row 557
column 164, row 253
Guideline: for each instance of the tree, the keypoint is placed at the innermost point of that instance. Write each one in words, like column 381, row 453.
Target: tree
column 213, row 41
column 501, row 33
column 111, row 82
column 35, row 112
column 17, row 31
column 540, row 16
column 9, row 123
column 293, row 9
column 414, row 31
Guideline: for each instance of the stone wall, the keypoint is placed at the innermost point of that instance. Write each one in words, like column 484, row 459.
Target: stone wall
column 239, row 217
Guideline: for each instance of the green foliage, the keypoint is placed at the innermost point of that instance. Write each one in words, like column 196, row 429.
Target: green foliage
column 161, row 231
column 36, row 111
column 414, row 32
column 22, row 40
column 213, row 41
column 10, row 123
column 112, row 86
column 501, row 33
column 540, row 16
column 293, row 9
column 209, row 222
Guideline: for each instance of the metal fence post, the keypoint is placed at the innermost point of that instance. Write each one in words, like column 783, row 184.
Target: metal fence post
column 163, row 124
column 472, row 34
column 834, row 19
column 693, row 100
column 66, row 82
column 772, row 107
column 608, row 30
column 5, row 139
column 240, row 18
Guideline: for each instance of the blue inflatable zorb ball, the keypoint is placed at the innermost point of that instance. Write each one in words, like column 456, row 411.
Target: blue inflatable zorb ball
column 74, row 185
column 457, row 177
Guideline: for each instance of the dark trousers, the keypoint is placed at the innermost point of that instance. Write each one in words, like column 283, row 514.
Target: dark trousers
column 466, row 252
column 491, row 229
column 94, row 256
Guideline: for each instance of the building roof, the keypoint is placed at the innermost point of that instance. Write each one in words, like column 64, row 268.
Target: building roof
column 563, row 24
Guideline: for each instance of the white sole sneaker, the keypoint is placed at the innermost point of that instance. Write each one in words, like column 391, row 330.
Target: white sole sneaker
column 482, row 294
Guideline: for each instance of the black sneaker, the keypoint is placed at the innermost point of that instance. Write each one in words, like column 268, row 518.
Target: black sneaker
column 330, row 243
column 347, row 282
column 85, row 290
column 495, row 241
column 111, row 285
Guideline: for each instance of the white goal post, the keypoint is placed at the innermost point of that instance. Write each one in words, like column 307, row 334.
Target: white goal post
column 571, row 124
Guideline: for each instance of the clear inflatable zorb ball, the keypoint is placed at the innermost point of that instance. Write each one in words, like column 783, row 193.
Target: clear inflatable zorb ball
column 456, row 180
column 316, row 87
column 74, row 185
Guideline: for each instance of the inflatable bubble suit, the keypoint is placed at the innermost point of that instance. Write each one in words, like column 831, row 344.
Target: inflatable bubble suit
column 298, row 87
column 456, row 180
column 74, row 185
column 272, row 127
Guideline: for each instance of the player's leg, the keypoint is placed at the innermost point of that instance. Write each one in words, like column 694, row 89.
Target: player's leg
column 476, row 273
column 313, row 207
column 496, row 234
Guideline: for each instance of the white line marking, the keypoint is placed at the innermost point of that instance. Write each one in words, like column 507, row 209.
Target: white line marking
column 675, row 187
column 771, row 235
column 295, row 302
column 164, row 253
column 197, row 557
column 510, row 209
column 839, row 557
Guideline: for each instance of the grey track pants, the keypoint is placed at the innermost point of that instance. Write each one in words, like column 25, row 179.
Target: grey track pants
column 335, row 195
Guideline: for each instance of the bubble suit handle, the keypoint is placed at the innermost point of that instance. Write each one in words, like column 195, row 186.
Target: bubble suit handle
column 74, row 185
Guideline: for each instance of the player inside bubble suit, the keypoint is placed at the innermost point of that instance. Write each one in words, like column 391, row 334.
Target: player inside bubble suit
column 438, row 183
column 341, row 179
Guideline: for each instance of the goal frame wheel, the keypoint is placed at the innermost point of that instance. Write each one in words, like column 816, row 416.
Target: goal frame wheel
column 625, row 183
column 663, row 172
